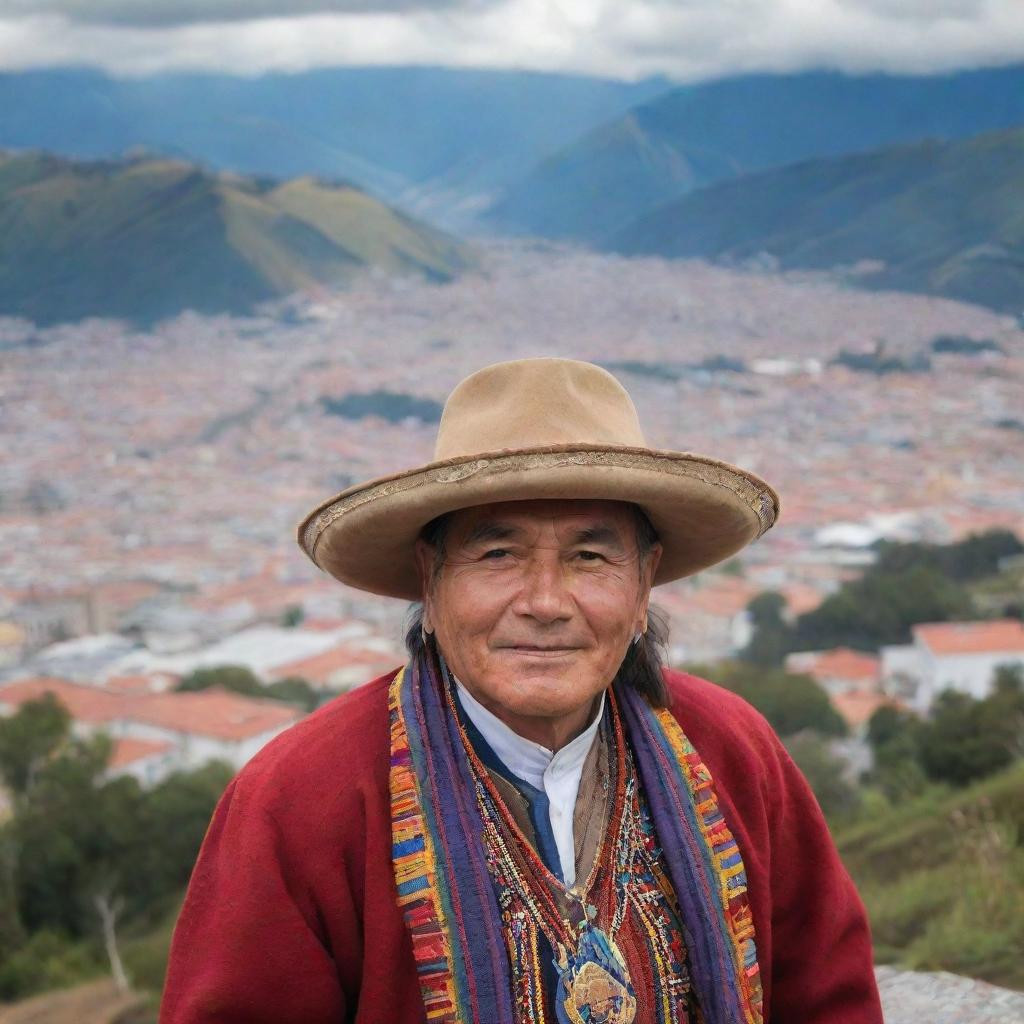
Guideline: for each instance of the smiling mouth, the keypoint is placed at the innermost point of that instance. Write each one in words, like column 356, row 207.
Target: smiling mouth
column 536, row 649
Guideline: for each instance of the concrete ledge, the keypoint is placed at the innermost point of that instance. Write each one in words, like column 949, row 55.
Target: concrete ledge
column 911, row 997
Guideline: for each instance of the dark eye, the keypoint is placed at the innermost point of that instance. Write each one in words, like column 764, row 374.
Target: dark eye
column 496, row 553
column 590, row 556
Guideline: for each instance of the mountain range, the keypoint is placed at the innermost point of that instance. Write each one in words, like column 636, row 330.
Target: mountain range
column 233, row 197
column 145, row 238
column 437, row 142
column 693, row 136
column 944, row 218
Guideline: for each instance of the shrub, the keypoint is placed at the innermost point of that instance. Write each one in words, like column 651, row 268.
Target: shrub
column 47, row 960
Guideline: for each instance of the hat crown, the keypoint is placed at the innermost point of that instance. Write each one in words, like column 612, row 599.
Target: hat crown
column 534, row 403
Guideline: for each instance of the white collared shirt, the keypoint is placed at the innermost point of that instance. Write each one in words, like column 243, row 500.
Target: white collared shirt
column 557, row 774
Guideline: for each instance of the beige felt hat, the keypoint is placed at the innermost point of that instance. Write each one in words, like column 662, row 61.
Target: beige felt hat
column 538, row 428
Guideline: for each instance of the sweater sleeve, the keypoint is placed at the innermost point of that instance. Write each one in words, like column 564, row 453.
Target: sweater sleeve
column 822, row 969
column 247, row 946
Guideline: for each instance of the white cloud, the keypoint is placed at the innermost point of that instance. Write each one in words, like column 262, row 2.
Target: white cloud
column 148, row 13
column 685, row 39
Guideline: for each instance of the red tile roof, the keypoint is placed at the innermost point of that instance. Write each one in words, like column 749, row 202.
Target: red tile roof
column 1001, row 636
column 720, row 597
column 801, row 598
column 86, row 703
column 318, row 668
column 856, row 707
column 322, row 625
column 214, row 712
column 839, row 663
column 128, row 750
column 138, row 684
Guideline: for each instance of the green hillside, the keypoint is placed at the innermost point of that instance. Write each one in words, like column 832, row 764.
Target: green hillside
column 425, row 139
column 944, row 218
column 618, row 170
column 943, row 879
column 146, row 238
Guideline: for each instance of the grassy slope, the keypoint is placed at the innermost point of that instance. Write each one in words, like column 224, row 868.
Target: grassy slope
column 88, row 996
column 943, row 879
column 946, row 218
column 144, row 239
column 96, row 1002
column 373, row 234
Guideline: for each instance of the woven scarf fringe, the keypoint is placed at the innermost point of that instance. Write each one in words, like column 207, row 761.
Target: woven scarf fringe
column 444, row 889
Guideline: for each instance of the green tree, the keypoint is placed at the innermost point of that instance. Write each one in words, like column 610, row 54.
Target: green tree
column 46, row 961
column 29, row 737
column 972, row 558
column 12, row 934
column 965, row 739
column 238, row 678
column 1002, row 712
column 791, row 703
column 773, row 637
column 294, row 690
column 880, row 608
column 178, row 810
column 888, row 724
column 837, row 796
column 908, row 584
column 897, row 771
column 91, row 854
column 64, row 832
column 292, row 616
column 1008, row 680
column 230, row 677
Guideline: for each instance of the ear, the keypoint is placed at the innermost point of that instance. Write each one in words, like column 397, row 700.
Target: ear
column 424, row 554
column 647, row 572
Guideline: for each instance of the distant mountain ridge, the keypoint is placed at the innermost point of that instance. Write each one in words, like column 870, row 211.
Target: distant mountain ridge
column 698, row 135
column 943, row 218
column 432, row 140
column 147, row 238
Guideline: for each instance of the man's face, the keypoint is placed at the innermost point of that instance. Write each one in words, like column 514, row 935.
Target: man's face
column 535, row 606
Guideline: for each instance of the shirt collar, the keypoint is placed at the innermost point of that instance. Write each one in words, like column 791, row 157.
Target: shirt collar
column 524, row 758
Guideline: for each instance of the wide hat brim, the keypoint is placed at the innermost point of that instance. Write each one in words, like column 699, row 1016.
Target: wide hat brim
column 704, row 510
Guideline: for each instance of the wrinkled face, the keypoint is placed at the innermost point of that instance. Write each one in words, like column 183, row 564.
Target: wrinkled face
column 535, row 605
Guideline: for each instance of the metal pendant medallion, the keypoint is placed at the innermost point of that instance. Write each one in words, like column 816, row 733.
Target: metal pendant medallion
column 593, row 984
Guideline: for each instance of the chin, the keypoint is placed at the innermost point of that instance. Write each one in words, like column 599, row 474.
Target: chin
column 548, row 698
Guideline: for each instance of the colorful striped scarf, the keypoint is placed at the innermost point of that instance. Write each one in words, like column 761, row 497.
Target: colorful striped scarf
column 445, row 889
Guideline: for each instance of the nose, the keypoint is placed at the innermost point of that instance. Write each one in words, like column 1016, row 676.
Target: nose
column 544, row 592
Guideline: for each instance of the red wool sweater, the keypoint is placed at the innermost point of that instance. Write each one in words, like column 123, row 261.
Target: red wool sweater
column 291, row 913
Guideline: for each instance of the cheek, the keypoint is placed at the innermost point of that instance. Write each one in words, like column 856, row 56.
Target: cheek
column 611, row 610
column 466, row 614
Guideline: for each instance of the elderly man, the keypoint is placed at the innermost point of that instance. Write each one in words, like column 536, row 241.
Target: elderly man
column 533, row 820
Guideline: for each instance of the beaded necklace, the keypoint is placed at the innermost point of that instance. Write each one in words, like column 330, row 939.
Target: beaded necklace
column 689, row 913
column 593, row 980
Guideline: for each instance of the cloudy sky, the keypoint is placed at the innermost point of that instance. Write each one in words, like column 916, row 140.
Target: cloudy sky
column 684, row 39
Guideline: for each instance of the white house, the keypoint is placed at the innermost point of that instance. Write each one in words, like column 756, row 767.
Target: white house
column 149, row 761
column 960, row 656
column 708, row 618
column 838, row 670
